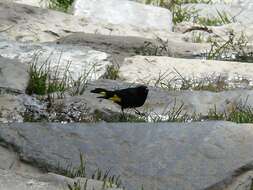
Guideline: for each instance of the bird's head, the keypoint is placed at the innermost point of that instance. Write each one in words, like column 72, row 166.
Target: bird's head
column 143, row 90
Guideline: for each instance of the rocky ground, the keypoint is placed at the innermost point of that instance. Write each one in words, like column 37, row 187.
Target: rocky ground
column 195, row 58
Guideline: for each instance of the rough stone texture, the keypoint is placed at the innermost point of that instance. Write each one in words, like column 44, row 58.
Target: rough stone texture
column 124, row 12
column 9, row 160
column 13, row 107
column 220, row 33
column 10, row 180
column 36, row 3
column 13, row 75
column 244, row 182
column 126, row 46
column 240, row 11
column 80, row 60
column 27, row 23
column 176, row 156
column 160, row 101
column 144, row 69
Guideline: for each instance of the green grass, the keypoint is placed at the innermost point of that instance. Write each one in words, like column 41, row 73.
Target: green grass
column 112, row 72
column 78, row 186
column 238, row 113
column 59, row 5
column 160, row 48
column 42, row 81
column 222, row 19
column 234, row 48
column 109, row 181
column 45, row 80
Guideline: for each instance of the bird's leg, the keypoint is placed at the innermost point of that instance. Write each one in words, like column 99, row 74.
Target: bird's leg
column 138, row 112
column 123, row 114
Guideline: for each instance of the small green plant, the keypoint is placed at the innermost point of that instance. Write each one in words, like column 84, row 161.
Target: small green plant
column 38, row 75
column 109, row 181
column 45, row 80
column 238, row 112
column 159, row 48
column 42, row 81
column 210, row 83
column 112, row 72
column 197, row 37
column 180, row 13
column 77, row 185
column 175, row 114
column 232, row 49
column 79, row 171
column 222, row 19
column 59, row 5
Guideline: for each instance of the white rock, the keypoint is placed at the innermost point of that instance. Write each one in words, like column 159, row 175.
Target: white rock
column 124, row 12
column 144, row 69
column 31, row 24
column 79, row 58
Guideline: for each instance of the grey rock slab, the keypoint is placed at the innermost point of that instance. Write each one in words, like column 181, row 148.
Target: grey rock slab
column 73, row 60
column 26, row 23
column 13, row 75
column 176, row 156
column 10, row 180
column 238, row 11
column 126, row 46
column 174, row 71
column 13, row 181
column 125, row 12
column 9, row 160
column 160, row 101
column 13, row 107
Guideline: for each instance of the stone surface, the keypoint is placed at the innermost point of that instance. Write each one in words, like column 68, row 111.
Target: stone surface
column 88, row 108
column 13, row 75
column 126, row 46
column 240, row 11
column 174, row 156
column 32, row 24
column 9, row 160
column 160, row 101
column 35, row 3
column 10, row 180
column 78, row 60
column 174, row 71
column 13, row 107
column 124, row 12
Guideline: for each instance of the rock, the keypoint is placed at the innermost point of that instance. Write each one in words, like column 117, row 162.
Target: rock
column 125, row 12
column 35, row 3
column 160, row 104
column 87, row 108
column 193, row 156
column 162, row 101
column 243, row 182
column 13, row 75
column 126, row 46
column 26, row 23
column 22, row 181
column 219, row 33
column 73, row 60
column 174, row 72
column 15, row 107
column 238, row 11
column 10, row 161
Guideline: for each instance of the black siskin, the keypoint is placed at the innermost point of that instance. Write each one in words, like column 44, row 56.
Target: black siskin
column 126, row 98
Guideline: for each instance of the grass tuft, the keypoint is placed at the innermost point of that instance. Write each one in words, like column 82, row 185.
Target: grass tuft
column 59, row 5
column 109, row 181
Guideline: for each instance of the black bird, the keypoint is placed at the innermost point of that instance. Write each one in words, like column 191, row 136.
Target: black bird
column 126, row 98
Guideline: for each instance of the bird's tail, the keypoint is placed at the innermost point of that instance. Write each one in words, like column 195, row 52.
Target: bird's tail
column 105, row 93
